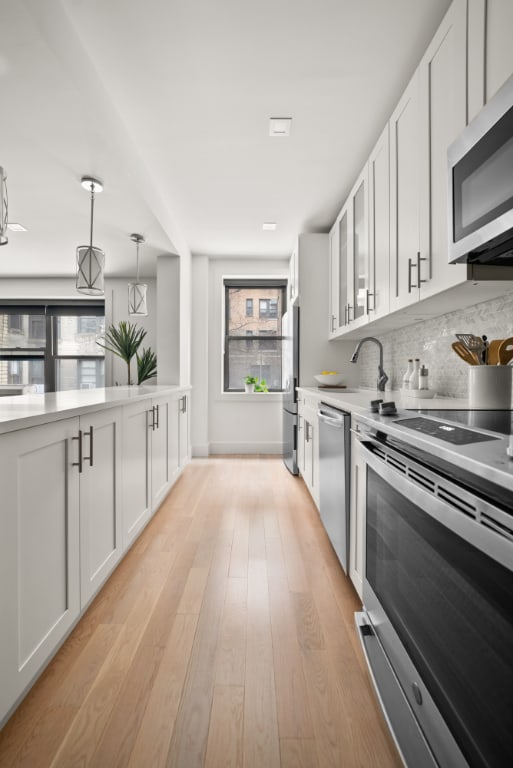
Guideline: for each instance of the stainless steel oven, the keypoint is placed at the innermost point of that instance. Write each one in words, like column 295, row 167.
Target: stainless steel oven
column 437, row 625
column 481, row 185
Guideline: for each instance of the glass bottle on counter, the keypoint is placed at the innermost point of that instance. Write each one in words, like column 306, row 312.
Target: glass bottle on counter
column 423, row 378
column 413, row 381
column 406, row 377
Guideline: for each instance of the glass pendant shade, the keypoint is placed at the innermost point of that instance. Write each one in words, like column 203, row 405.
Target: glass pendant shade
column 90, row 270
column 137, row 299
column 90, row 260
column 137, row 291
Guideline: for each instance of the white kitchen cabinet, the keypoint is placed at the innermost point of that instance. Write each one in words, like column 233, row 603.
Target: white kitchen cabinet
column 442, row 80
column 358, row 266
column 137, row 421
column 183, row 430
column 39, row 550
column 340, row 254
column 300, row 457
column 405, row 197
column 378, row 301
column 357, row 516
column 490, row 53
column 164, row 431
column 309, row 459
column 293, row 280
column 101, row 499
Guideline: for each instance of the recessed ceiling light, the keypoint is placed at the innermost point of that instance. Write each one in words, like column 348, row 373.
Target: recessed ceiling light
column 269, row 225
column 16, row 227
column 279, row 126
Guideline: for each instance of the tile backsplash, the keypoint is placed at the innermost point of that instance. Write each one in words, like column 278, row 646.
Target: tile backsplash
column 430, row 340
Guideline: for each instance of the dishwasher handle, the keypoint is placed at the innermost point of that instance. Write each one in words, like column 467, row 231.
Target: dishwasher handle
column 333, row 421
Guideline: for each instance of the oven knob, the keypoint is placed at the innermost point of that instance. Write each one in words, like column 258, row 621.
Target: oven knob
column 374, row 405
column 417, row 693
column 388, row 409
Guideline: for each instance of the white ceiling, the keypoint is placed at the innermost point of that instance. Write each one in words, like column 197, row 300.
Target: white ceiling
column 168, row 103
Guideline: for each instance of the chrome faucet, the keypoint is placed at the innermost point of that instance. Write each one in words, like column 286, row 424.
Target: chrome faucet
column 382, row 377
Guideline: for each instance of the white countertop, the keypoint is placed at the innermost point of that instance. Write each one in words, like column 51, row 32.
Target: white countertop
column 358, row 401
column 22, row 411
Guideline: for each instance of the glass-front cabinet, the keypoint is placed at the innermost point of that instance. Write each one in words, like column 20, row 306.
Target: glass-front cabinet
column 349, row 243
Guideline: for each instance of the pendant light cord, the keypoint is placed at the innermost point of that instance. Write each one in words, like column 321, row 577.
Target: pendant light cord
column 92, row 215
column 137, row 246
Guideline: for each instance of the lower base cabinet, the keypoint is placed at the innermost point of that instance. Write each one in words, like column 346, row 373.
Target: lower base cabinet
column 308, row 452
column 101, row 531
column 75, row 493
column 136, row 469
column 39, row 550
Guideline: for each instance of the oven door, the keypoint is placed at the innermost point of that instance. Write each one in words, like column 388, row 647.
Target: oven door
column 438, row 593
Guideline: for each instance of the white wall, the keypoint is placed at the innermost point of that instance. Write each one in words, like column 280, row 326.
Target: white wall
column 168, row 319
column 226, row 423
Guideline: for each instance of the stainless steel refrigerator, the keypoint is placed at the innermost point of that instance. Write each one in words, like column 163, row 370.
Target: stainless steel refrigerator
column 290, row 378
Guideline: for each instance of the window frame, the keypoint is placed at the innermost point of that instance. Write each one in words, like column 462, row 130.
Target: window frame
column 48, row 354
column 263, row 283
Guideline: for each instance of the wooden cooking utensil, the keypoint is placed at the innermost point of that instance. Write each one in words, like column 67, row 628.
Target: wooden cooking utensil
column 492, row 353
column 506, row 351
column 462, row 351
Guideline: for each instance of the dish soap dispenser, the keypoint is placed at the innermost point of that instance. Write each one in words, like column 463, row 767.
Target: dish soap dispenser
column 406, row 377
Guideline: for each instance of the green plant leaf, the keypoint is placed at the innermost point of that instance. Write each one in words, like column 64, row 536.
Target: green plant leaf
column 146, row 365
column 123, row 340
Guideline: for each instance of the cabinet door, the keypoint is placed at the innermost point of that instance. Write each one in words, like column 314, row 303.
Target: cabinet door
column 357, row 516
column 308, row 455
column 442, row 74
column 39, row 550
column 404, row 198
column 183, row 429
column 101, row 534
column 498, row 46
column 378, row 301
column 293, row 277
column 301, row 443
column 137, row 420
column 164, row 448
column 358, row 266
column 334, row 289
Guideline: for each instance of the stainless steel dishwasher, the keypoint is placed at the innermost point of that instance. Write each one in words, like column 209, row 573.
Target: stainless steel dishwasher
column 334, row 469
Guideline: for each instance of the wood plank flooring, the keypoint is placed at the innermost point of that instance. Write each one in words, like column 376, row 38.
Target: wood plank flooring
column 224, row 639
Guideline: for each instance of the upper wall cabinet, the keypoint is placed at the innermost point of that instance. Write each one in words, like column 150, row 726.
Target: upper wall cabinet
column 430, row 115
column 378, row 300
column 490, row 52
column 293, row 282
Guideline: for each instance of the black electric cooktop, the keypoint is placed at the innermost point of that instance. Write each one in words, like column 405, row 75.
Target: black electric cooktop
column 444, row 430
column 494, row 421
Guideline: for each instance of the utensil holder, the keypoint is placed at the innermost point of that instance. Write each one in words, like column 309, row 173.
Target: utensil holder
column 489, row 386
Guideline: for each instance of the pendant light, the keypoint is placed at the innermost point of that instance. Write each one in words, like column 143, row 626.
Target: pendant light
column 3, row 208
column 137, row 291
column 90, row 260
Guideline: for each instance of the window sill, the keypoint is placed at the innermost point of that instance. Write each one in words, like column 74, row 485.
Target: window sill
column 239, row 397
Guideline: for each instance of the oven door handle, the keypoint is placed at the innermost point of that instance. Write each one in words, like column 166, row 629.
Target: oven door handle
column 453, row 517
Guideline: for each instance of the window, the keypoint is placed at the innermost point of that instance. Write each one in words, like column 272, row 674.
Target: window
column 72, row 360
column 268, row 308
column 253, row 345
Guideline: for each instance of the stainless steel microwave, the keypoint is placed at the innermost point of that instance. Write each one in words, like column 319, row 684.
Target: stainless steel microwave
column 481, row 185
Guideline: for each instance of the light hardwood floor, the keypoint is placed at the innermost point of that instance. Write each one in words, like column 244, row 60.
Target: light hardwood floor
column 225, row 638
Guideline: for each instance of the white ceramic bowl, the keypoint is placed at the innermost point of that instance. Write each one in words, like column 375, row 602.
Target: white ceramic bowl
column 329, row 379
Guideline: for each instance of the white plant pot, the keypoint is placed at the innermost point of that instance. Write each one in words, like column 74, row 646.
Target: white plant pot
column 249, row 387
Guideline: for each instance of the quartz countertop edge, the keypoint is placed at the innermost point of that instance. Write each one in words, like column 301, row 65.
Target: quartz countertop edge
column 359, row 402
column 23, row 411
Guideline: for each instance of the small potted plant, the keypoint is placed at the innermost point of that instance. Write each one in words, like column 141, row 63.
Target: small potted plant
column 124, row 341
column 261, row 386
column 250, row 383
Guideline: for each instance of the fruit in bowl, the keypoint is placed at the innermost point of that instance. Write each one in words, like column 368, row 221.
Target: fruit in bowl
column 329, row 378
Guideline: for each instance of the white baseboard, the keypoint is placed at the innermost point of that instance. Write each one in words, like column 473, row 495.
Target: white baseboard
column 200, row 451
column 246, row 448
